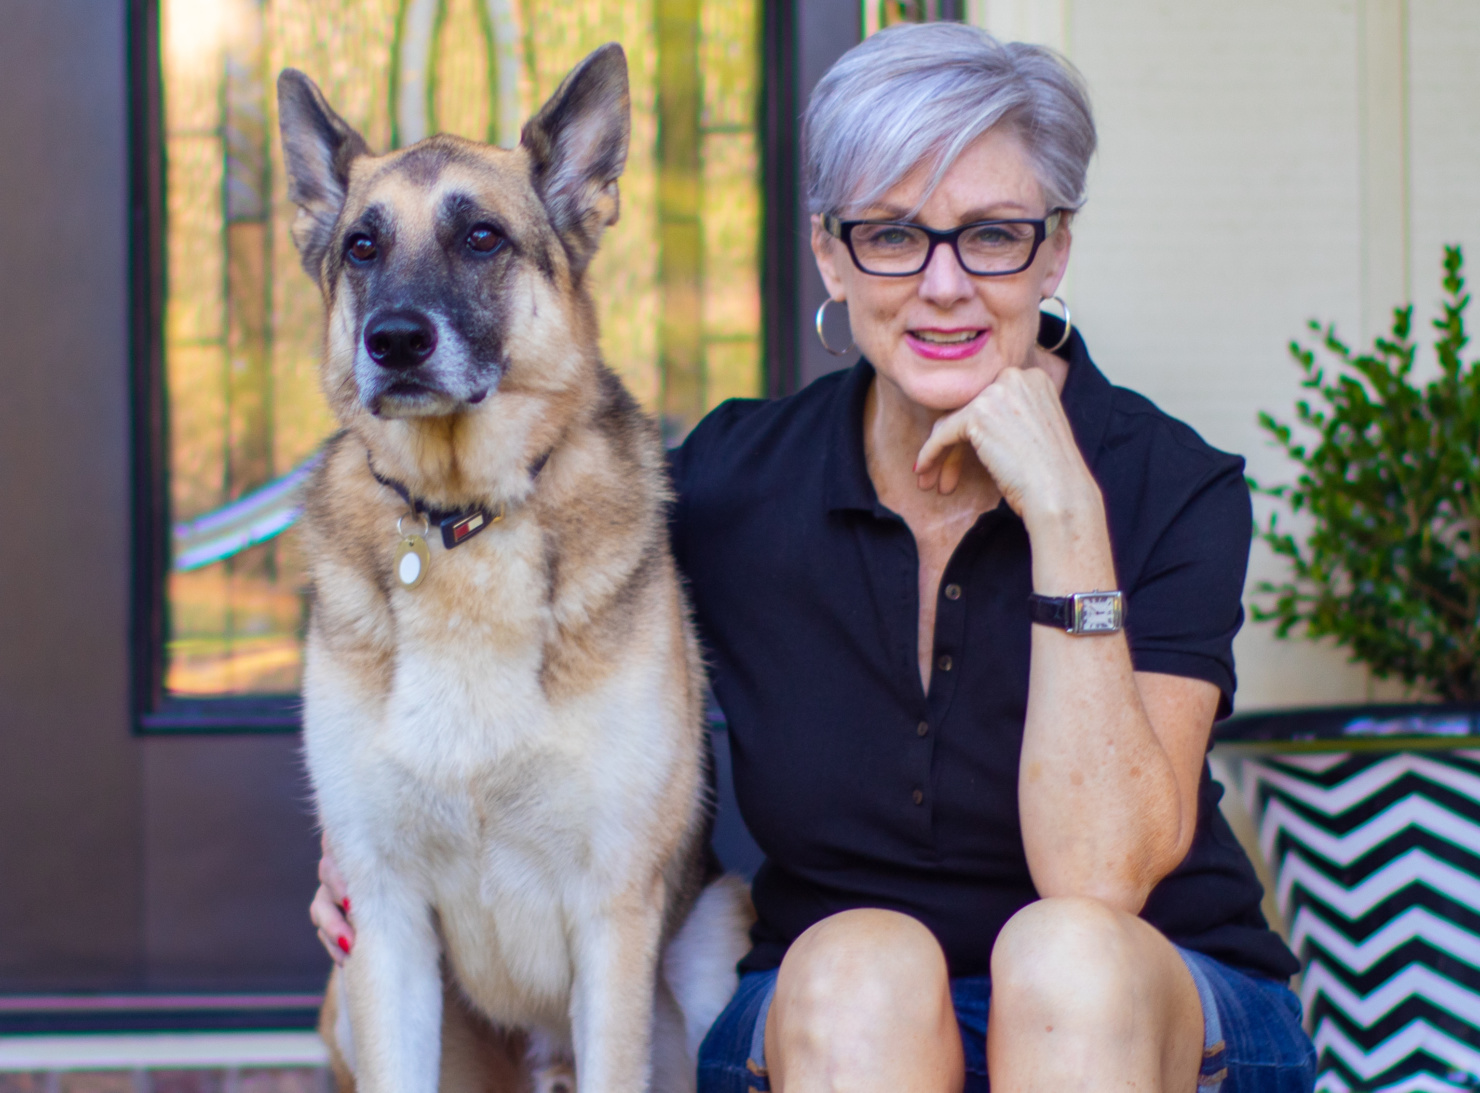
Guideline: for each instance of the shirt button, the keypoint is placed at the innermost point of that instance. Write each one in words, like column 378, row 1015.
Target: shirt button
column 918, row 796
column 922, row 728
column 953, row 591
column 944, row 662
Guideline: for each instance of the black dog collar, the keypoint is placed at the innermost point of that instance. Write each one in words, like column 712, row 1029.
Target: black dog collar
column 458, row 525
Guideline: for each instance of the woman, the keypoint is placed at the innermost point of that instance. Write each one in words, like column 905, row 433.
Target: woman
column 960, row 799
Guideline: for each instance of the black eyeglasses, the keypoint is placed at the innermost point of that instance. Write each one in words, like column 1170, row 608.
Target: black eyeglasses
column 987, row 248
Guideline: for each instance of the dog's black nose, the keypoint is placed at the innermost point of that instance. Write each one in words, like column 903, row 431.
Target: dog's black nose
column 400, row 339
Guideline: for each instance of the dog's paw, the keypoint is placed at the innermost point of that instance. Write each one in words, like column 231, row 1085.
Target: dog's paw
column 549, row 1062
column 555, row 1078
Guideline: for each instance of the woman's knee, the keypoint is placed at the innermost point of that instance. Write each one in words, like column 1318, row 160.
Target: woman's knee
column 1077, row 984
column 857, row 975
column 1066, row 954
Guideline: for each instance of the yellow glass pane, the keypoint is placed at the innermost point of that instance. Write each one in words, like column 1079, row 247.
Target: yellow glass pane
column 194, row 33
column 733, row 370
column 195, row 379
column 729, row 61
column 730, row 64
column 195, row 259
column 236, row 626
column 732, row 300
column 462, row 72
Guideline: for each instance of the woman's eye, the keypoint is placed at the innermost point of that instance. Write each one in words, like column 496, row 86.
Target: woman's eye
column 361, row 248
column 994, row 235
column 484, row 238
column 887, row 236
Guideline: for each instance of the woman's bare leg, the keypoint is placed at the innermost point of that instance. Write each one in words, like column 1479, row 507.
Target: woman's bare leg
column 1089, row 998
column 862, row 1004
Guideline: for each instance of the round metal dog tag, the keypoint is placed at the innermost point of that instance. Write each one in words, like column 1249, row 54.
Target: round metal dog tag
column 412, row 560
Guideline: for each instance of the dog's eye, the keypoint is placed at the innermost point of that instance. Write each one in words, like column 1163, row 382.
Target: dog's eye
column 361, row 248
column 484, row 238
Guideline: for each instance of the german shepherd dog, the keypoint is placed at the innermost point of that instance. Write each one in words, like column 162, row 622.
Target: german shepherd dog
column 502, row 687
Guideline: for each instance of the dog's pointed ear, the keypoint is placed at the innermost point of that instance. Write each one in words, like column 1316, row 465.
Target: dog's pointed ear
column 578, row 145
column 318, row 147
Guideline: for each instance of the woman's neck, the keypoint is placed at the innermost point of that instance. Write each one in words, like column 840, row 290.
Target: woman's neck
column 894, row 430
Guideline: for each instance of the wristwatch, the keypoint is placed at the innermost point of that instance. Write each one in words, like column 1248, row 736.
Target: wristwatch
column 1082, row 613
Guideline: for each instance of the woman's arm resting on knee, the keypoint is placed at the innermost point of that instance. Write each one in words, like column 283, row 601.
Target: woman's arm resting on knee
column 330, row 909
column 1111, row 758
column 1109, row 775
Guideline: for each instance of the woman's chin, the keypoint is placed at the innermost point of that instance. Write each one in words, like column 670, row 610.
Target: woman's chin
column 943, row 386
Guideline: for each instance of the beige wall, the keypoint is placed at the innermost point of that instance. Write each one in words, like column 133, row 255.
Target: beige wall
column 1262, row 163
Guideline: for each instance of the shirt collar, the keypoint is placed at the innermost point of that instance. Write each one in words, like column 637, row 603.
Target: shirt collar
column 1086, row 400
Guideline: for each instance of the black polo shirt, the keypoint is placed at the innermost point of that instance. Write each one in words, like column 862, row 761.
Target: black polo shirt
column 861, row 789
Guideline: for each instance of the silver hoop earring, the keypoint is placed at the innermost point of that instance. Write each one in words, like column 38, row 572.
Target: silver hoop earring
column 821, row 311
column 1068, row 323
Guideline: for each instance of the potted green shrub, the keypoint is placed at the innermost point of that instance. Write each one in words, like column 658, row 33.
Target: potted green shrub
column 1370, row 816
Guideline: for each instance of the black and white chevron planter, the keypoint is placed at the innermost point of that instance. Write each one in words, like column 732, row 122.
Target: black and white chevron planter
column 1370, row 820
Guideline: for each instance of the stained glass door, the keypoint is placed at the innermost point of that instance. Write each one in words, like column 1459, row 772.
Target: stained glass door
column 677, row 282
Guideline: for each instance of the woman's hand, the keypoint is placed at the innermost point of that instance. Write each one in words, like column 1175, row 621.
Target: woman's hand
column 330, row 909
column 1018, row 430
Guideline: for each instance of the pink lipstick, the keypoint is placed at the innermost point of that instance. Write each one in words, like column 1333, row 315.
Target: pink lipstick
column 936, row 344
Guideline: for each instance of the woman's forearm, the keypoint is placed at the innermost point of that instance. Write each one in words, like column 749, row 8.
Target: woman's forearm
column 1107, row 807
column 1099, row 800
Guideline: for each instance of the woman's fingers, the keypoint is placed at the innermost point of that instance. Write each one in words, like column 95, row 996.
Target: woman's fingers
column 331, row 878
column 1017, row 430
column 951, row 466
column 330, row 907
column 944, row 438
column 335, row 932
column 329, row 947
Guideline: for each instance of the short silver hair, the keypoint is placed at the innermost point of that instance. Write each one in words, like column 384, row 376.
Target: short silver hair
column 921, row 93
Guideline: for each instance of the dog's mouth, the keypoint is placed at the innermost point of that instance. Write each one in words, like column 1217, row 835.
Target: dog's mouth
column 413, row 398
column 410, row 398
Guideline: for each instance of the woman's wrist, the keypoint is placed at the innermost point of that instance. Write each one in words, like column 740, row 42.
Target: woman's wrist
column 1071, row 547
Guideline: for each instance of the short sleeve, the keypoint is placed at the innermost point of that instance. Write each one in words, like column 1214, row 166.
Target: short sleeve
column 688, row 465
column 680, row 463
column 1186, row 602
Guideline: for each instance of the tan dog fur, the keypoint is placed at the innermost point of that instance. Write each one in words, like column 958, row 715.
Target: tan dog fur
column 507, row 759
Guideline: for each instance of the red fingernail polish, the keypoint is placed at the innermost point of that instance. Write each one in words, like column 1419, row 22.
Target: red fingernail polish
column 346, row 905
column 344, row 944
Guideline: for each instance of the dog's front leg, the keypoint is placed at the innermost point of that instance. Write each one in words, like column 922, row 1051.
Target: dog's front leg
column 616, row 958
column 394, row 982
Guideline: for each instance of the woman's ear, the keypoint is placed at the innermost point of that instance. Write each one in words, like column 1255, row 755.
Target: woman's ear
column 1058, row 246
column 827, row 249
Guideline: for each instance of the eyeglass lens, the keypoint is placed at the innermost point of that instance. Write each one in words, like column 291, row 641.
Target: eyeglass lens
column 983, row 248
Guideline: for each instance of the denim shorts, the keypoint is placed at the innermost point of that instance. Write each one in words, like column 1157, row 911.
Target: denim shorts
column 1252, row 1038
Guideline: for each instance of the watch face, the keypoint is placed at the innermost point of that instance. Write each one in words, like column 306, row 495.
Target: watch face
column 1098, row 613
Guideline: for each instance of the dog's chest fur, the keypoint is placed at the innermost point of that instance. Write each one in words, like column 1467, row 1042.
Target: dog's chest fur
column 509, row 810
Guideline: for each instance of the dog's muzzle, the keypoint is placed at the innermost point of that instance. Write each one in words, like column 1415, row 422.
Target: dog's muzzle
column 414, row 365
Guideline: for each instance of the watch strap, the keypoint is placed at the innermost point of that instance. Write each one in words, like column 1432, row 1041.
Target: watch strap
column 1055, row 611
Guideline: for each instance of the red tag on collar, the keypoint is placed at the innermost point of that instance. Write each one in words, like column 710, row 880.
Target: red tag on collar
column 457, row 530
column 467, row 526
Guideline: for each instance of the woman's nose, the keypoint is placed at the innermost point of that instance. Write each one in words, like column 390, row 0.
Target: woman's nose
column 944, row 281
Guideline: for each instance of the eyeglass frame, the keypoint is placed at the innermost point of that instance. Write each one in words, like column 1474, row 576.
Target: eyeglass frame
column 843, row 230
